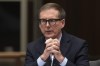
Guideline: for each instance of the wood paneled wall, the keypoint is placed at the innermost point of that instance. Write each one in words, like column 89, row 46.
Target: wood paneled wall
column 83, row 20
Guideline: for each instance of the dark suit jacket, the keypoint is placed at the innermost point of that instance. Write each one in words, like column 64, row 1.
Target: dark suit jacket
column 73, row 48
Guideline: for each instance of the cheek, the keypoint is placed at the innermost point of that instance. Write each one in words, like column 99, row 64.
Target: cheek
column 57, row 28
column 41, row 28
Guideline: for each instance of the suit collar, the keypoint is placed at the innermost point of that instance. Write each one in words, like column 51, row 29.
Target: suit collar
column 65, row 43
column 41, row 44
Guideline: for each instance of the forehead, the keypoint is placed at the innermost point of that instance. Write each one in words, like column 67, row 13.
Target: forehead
column 49, row 13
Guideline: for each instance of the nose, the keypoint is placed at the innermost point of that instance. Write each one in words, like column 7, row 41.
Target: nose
column 47, row 23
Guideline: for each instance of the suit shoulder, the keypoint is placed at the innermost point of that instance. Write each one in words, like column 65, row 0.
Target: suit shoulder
column 77, row 38
column 74, row 40
column 35, row 43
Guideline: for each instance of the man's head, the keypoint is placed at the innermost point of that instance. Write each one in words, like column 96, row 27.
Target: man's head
column 52, row 20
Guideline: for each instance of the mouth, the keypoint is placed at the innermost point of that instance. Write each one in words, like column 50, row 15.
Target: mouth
column 49, row 34
column 48, row 31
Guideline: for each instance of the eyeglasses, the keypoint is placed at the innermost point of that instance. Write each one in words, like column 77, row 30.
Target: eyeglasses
column 50, row 21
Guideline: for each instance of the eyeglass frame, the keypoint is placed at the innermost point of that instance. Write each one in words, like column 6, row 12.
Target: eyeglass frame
column 50, row 21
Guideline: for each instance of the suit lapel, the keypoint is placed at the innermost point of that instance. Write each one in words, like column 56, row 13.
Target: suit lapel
column 65, row 43
column 41, row 45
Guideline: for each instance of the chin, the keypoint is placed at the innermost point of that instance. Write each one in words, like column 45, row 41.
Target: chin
column 49, row 36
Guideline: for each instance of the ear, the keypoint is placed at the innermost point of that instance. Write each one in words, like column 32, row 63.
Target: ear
column 63, row 23
column 39, row 26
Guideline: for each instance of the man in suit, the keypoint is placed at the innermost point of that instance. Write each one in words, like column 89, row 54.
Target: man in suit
column 56, row 47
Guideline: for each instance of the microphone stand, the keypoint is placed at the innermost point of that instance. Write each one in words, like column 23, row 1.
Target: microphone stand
column 52, row 58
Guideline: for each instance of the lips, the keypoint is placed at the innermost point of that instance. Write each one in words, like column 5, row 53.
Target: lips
column 49, row 34
column 48, row 31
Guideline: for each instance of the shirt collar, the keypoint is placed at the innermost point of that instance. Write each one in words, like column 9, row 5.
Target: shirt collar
column 60, row 36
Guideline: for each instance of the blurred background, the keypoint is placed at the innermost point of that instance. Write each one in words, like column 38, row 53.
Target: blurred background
column 19, row 26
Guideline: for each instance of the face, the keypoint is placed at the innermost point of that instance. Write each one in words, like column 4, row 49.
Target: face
column 48, row 30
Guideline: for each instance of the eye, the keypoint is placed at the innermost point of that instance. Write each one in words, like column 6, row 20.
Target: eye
column 51, row 20
column 42, row 20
